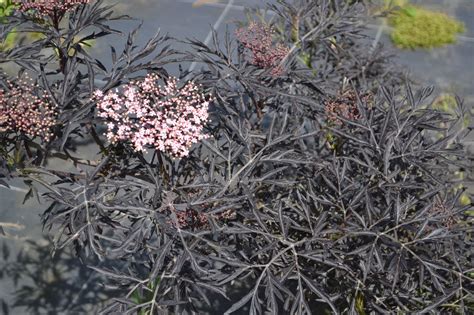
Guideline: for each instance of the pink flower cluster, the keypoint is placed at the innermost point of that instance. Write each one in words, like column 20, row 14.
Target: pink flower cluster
column 24, row 107
column 344, row 106
column 440, row 209
column 48, row 7
column 168, row 118
column 258, row 38
column 194, row 219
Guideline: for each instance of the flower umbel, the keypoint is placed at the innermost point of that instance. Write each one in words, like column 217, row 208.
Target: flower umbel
column 440, row 210
column 26, row 108
column 258, row 38
column 344, row 107
column 48, row 7
column 168, row 118
column 192, row 219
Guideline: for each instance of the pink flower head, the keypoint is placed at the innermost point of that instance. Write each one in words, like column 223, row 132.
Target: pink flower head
column 193, row 219
column 258, row 38
column 344, row 106
column 25, row 108
column 441, row 210
column 168, row 118
column 48, row 7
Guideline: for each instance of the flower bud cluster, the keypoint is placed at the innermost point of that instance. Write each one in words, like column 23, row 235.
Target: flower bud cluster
column 441, row 210
column 168, row 118
column 48, row 7
column 344, row 106
column 258, row 38
column 192, row 218
column 26, row 108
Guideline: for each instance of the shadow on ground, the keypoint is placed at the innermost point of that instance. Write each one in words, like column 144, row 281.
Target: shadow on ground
column 46, row 284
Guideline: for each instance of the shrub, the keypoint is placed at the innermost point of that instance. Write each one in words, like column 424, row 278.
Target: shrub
column 317, row 189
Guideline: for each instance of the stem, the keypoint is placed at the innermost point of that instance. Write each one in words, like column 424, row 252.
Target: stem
column 162, row 168
column 96, row 138
column 56, row 18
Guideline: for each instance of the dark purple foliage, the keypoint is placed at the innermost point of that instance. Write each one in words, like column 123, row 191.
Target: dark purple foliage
column 289, row 207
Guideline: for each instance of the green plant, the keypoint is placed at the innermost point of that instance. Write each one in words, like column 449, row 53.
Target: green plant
column 145, row 296
column 6, row 9
column 416, row 27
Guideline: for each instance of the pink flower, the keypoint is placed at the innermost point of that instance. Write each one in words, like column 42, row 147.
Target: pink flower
column 48, row 7
column 25, row 108
column 168, row 118
column 258, row 38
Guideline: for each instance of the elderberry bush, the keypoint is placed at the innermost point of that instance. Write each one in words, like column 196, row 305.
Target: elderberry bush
column 293, row 173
